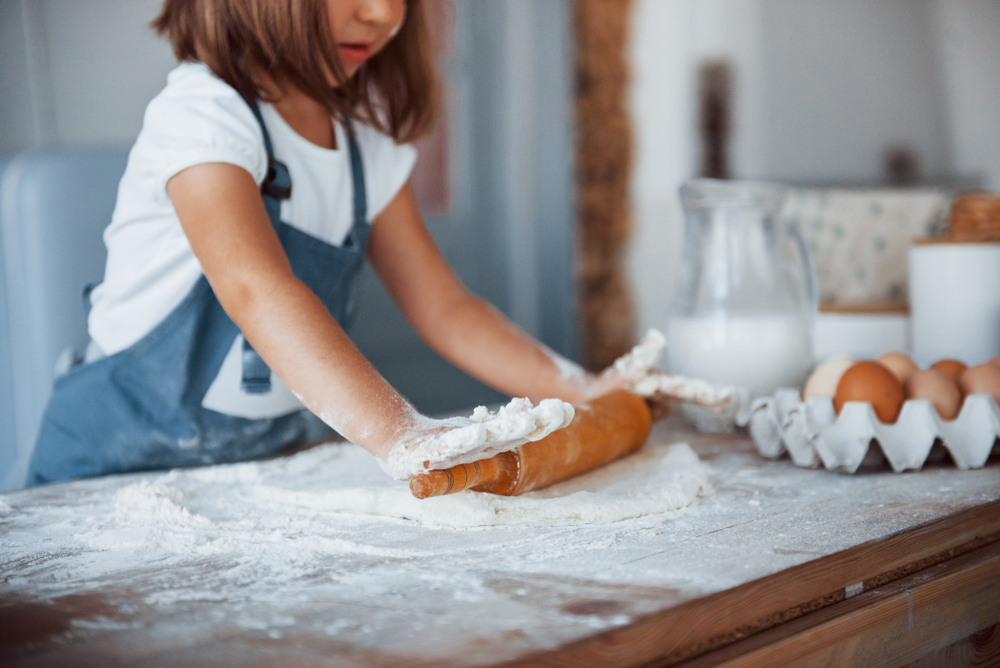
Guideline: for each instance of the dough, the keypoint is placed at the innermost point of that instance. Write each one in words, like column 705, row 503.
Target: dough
column 657, row 479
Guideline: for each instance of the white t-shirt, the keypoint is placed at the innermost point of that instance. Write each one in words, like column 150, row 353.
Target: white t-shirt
column 198, row 118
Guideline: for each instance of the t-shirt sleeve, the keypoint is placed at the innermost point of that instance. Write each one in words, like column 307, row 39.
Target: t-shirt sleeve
column 387, row 168
column 198, row 118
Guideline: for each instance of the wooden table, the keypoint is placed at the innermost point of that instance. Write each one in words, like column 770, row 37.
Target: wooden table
column 779, row 566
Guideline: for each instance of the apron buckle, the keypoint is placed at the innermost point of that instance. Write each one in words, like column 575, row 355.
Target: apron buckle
column 278, row 182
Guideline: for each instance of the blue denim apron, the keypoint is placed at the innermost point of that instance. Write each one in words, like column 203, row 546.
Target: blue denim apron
column 141, row 408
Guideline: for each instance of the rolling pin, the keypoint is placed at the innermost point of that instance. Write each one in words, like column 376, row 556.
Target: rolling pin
column 602, row 430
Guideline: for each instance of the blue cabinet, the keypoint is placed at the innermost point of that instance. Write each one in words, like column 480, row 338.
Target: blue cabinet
column 54, row 206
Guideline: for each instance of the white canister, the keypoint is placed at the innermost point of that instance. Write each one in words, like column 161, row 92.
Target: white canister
column 955, row 301
column 861, row 334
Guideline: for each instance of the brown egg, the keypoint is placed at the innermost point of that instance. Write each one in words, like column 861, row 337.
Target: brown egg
column 952, row 368
column 995, row 362
column 981, row 379
column 900, row 364
column 872, row 383
column 937, row 388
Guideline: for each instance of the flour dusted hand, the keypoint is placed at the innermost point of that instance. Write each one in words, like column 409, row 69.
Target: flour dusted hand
column 440, row 444
column 636, row 368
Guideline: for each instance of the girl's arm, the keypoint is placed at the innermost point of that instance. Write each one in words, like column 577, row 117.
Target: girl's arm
column 223, row 216
column 463, row 328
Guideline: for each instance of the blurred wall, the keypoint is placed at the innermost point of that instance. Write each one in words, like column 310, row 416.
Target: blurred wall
column 17, row 125
column 78, row 72
column 842, row 81
column 822, row 89
column 968, row 32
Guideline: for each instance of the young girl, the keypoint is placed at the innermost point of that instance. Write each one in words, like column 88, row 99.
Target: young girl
column 271, row 165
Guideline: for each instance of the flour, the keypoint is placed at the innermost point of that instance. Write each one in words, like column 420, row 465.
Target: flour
column 191, row 512
column 638, row 367
column 639, row 362
column 258, row 533
column 154, row 505
column 485, row 434
column 688, row 390
column 568, row 369
column 246, row 509
column 657, row 480
column 224, row 557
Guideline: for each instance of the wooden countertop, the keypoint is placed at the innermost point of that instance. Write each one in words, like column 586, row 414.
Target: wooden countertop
column 774, row 552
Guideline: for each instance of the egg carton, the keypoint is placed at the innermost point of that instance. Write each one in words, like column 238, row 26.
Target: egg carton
column 813, row 434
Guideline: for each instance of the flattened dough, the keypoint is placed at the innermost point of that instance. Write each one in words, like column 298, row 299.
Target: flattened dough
column 657, row 479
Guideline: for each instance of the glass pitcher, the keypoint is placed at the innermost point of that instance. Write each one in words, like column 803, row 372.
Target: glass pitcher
column 746, row 293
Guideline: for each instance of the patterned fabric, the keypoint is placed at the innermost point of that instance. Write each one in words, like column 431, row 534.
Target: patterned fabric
column 860, row 239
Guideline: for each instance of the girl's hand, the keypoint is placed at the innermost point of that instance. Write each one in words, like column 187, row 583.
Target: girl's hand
column 637, row 369
column 627, row 373
column 440, row 444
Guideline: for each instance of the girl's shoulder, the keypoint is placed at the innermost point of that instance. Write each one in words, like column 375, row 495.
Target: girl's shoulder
column 195, row 74
column 198, row 117
column 194, row 93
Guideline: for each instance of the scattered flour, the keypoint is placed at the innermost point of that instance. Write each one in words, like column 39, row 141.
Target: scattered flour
column 482, row 436
column 324, row 545
column 257, row 538
column 298, row 507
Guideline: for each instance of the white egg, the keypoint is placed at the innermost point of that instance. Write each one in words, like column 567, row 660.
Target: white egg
column 824, row 378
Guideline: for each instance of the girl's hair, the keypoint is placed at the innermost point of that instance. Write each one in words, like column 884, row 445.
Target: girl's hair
column 249, row 42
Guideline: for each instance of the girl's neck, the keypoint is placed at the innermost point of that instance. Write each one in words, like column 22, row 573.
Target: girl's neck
column 307, row 117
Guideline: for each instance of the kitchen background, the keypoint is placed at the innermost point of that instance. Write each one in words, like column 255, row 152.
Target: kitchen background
column 823, row 93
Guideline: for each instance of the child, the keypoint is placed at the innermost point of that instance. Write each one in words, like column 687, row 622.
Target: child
column 271, row 165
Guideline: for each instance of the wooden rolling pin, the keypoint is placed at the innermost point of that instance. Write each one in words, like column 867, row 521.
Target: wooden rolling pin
column 603, row 430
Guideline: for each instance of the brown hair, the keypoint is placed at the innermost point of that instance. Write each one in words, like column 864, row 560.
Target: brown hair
column 248, row 42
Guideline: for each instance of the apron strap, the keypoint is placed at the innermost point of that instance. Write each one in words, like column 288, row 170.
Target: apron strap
column 277, row 185
column 358, row 181
column 88, row 290
column 256, row 377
